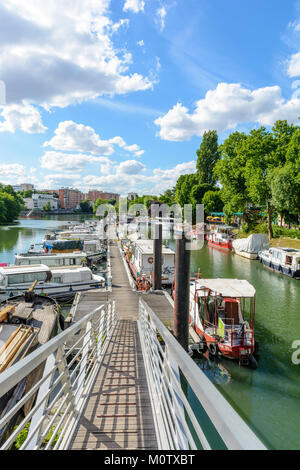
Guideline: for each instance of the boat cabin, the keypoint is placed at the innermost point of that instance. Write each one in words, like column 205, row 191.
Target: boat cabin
column 54, row 259
column 141, row 257
column 14, row 275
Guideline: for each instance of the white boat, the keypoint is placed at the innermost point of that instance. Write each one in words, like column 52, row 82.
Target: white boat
column 251, row 246
column 282, row 260
column 140, row 258
column 55, row 282
column 77, row 258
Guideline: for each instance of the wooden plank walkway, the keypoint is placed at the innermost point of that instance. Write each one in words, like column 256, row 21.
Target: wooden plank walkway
column 118, row 413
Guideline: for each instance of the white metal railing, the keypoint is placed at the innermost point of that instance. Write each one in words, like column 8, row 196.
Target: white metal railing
column 67, row 378
column 173, row 378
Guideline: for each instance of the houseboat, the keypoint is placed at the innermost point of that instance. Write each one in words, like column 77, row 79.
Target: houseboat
column 77, row 258
column 57, row 282
column 220, row 237
column 282, row 260
column 26, row 322
column 251, row 246
column 217, row 313
column 140, row 258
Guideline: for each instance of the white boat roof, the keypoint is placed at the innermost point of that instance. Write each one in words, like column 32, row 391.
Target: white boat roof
column 290, row 251
column 69, row 269
column 24, row 269
column 147, row 248
column 228, row 287
column 74, row 254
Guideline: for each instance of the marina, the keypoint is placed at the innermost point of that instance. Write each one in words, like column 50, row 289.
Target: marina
column 240, row 389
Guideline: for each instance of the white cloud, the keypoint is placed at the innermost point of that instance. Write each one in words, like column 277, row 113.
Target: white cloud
column 22, row 117
column 130, row 167
column 161, row 14
column 134, row 5
column 70, row 137
column 294, row 65
column 226, row 107
column 13, row 169
column 69, row 162
column 56, row 56
column 141, row 43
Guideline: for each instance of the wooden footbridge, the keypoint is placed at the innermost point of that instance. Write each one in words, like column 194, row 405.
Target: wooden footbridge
column 118, row 379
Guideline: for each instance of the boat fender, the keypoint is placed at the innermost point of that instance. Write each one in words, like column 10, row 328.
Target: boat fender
column 213, row 349
column 61, row 321
column 252, row 362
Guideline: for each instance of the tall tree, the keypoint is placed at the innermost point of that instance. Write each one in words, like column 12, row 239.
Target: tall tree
column 208, row 155
column 230, row 172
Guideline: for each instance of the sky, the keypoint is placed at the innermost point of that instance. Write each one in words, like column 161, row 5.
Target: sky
column 115, row 95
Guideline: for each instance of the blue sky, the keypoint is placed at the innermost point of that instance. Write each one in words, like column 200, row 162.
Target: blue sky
column 115, row 94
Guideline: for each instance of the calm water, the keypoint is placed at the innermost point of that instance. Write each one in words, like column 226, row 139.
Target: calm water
column 268, row 398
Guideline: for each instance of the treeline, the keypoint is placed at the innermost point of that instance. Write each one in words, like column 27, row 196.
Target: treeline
column 11, row 204
column 250, row 173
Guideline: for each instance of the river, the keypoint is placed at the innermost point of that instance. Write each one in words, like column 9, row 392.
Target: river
column 268, row 398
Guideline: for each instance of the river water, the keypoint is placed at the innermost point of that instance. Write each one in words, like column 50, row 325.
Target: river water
column 268, row 398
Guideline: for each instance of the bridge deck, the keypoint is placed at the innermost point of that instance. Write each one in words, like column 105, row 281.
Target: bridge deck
column 118, row 413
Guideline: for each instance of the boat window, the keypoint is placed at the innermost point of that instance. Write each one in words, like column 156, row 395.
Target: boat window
column 24, row 278
column 57, row 279
column 289, row 260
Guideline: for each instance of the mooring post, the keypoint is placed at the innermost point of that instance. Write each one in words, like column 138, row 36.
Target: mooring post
column 182, row 292
column 157, row 268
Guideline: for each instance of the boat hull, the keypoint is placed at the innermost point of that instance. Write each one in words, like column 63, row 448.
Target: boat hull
column 295, row 274
column 220, row 245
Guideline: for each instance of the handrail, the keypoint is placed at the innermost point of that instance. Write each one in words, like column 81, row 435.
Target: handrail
column 166, row 364
column 67, row 377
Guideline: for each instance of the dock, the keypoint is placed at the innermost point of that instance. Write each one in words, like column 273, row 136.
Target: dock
column 118, row 413
column 117, row 378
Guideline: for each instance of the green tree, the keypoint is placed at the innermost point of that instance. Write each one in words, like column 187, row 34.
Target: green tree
column 208, row 155
column 183, row 188
column 198, row 192
column 212, row 201
column 85, row 206
column 230, row 172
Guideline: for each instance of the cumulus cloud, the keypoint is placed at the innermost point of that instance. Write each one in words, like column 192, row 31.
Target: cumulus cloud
column 69, row 162
column 224, row 108
column 294, row 65
column 54, row 56
column 134, row 5
column 70, row 137
column 22, row 117
column 131, row 167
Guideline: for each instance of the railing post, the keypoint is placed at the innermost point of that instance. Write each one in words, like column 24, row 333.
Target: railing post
column 34, row 431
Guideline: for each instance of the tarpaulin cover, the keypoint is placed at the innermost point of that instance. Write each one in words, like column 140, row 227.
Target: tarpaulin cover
column 64, row 245
column 253, row 244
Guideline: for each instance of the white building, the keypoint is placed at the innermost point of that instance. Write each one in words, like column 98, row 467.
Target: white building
column 39, row 201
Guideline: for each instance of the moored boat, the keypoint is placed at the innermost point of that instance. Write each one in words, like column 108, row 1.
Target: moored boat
column 26, row 322
column 282, row 260
column 140, row 258
column 217, row 313
column 58, row 282
column 220, row 237
column 251, row 246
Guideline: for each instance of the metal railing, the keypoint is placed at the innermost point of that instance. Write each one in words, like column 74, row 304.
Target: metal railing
column 189, row 412
column 68, row 364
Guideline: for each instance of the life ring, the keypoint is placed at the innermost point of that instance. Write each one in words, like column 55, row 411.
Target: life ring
column 150, row 260
column 213, row 349
column 144, row 285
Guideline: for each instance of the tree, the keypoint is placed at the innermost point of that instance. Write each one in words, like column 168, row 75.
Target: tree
column 260, row 162
column 230, row 172
column 183, row 188
column 208, row 155
column 47, row 207
column 212, row 201
column 85, row 206
column 198, row 191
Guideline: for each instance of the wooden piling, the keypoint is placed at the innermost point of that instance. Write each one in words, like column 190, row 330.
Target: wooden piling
column 157, row 256
column 182, row 292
